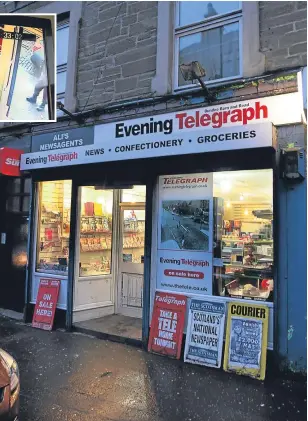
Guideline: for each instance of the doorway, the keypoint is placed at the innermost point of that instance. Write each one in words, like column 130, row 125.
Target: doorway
column 109, row 263
column 14, row 240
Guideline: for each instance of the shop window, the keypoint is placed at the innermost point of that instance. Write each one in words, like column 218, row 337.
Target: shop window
column 133, row 235
column 243, row 234
column 95, row 231
column 134, row 195
column 208, row 32
column 54, row 227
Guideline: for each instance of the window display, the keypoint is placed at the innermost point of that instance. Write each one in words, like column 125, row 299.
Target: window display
column 95, row 231
column 54, row 227
column 243, row 243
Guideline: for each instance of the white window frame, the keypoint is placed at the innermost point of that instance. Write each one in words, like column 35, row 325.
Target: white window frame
column 205, row 25
column 62, row 68
column 252, row 60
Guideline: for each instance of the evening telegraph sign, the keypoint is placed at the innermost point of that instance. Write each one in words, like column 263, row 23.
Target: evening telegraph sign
column 239, row 125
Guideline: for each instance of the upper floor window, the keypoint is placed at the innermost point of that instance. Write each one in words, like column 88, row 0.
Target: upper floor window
column 210, row 33
column 62, row 53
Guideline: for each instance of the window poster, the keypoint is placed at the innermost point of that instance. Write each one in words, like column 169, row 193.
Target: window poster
column 185, row 233
column 205, row 333
column 246, row 339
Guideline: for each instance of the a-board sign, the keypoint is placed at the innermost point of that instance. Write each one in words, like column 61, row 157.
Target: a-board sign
column 205, row 333
column 167, row 324
column 246, row 339
column 46, row 303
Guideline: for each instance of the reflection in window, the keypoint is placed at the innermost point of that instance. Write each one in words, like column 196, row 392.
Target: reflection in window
column 54, row 227
column 243, row 234
column 95, row 231
column 196, row 11
column 217, row 50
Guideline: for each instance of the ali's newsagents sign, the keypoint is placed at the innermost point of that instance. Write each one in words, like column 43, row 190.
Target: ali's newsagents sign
column 64, row 139
column 238, row 125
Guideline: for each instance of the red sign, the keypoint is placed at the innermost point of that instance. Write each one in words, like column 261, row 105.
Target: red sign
column 46, row 303
column 10, row 161
column 167, row 324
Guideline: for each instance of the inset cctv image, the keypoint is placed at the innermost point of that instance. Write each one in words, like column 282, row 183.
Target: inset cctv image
column 27, row 67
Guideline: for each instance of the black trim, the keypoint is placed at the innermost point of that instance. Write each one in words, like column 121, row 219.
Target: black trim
column 71, row 260
column 30, row 21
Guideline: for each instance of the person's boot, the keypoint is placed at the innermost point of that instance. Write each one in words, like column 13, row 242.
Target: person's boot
column 32, row 99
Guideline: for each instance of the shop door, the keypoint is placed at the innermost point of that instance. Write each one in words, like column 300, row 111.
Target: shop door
column 13, row 48
column 131, row 260
column 13, row 244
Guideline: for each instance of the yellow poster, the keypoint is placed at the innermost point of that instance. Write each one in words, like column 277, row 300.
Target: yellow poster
column 246, row 339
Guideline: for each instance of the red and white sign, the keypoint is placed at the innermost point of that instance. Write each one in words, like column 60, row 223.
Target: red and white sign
column 46, row 303
column 167, row 324
column 185, row 234
column 10, row 161
column 219, row 127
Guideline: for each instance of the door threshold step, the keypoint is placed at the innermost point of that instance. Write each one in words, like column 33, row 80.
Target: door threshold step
column 108, row 336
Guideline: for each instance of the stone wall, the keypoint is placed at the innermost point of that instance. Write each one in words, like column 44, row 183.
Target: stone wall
column 283, row 33
column 117, row 51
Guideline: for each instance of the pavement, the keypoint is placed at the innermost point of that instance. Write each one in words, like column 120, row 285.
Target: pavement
column 68, row 376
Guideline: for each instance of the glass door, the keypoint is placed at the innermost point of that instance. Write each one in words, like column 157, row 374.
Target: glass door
column 131, row 258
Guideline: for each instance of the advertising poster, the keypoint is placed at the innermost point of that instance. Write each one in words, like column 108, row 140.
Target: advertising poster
column 46, row 303
column 167, row 324
column 246, row 339
column 205, row 333
column 185, row 233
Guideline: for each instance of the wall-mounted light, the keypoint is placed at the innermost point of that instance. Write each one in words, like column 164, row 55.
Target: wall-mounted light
column 241, row 196
column 194, row 71
column 229, row 204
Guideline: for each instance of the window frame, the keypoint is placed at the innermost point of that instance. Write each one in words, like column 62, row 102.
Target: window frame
column 61, row 68
column 201, row 26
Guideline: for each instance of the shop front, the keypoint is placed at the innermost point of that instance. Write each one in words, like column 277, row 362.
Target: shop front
column 183, row 203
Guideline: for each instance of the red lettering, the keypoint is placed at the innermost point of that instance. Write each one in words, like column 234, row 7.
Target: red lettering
column 181, row 117
column 189, row 122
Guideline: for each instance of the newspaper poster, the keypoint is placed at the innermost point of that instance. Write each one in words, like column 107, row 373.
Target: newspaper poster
column 167, row 324
column 205, row 333
column 246, row 339
column 185, row 233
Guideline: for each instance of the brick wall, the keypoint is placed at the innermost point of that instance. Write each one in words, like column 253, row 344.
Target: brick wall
column 117, row 51
column 283, row 33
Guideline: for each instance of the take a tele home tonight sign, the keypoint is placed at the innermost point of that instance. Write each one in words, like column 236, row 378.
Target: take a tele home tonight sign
column 232, row 126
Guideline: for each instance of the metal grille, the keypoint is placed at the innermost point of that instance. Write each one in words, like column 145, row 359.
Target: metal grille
column 131, row 291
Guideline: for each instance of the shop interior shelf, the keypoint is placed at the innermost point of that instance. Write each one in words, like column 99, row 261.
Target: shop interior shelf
column 99, row 250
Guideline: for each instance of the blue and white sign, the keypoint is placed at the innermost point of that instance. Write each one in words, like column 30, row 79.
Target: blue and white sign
column 205, row 333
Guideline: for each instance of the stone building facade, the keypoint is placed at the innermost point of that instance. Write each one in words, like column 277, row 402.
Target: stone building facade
column 122, row 63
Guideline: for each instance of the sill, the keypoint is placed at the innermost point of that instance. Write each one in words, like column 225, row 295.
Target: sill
column 210, row 84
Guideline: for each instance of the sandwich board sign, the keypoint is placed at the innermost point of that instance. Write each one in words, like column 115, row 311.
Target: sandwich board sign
column 46, row 303
column 167, row 325
column 205, row 333
column 246, row 339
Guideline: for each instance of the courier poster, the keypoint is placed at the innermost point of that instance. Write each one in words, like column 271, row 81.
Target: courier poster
column 246, row 339
column 185, row 233
column 205, row 333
